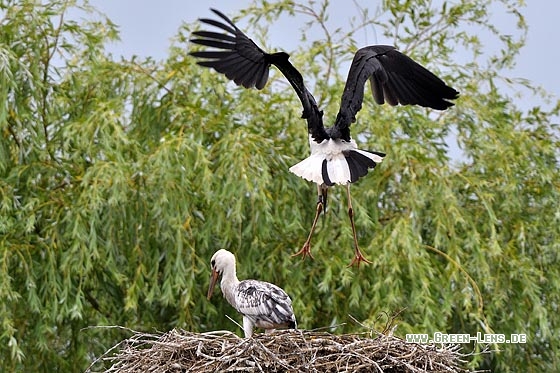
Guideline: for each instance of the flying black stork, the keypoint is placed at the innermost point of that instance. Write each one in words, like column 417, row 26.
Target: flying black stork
column 262, row 304
column 335, row 158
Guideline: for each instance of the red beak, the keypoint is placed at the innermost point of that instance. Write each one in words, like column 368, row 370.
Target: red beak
column 213, row 279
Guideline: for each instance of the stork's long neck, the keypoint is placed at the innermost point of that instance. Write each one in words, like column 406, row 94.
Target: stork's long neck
column 229, row 284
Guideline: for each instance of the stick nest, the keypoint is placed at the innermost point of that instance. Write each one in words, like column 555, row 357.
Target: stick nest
column 288, row 350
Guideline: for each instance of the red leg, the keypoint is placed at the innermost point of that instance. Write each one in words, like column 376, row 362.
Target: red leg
column 358, row 256
column 321, row 202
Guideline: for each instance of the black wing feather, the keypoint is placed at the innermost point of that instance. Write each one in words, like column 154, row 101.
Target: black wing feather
column 214, row 54
column 212, row 22
column 244, row 62
column 237, row 55
column 395, row 78
column 215, row 35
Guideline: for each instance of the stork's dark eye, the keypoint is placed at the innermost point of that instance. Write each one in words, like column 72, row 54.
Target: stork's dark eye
column 213, row 263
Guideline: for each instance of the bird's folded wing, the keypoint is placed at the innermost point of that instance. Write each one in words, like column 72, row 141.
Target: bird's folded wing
column 264, row 301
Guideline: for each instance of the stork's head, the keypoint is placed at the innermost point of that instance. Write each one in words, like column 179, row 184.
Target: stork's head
column 221, row 260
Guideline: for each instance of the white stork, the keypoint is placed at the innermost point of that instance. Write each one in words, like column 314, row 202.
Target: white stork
column 262, row 304
column 335, row 157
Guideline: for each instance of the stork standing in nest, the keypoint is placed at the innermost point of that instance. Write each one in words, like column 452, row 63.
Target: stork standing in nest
column 335, row 158
column 262, row 304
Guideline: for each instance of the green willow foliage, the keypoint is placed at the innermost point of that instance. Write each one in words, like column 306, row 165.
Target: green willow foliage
column 119, row 179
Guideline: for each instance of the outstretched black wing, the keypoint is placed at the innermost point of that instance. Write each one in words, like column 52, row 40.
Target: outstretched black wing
column 395, row 78
column 241, row 60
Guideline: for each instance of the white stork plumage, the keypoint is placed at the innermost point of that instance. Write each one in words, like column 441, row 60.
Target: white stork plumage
column 262, row 304
column 335, row 158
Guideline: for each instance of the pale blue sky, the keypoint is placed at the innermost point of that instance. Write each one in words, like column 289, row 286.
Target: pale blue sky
column 147, row 28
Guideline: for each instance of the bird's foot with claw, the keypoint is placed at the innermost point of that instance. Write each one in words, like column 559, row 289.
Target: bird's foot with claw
column 305, row 251
column 358, row 258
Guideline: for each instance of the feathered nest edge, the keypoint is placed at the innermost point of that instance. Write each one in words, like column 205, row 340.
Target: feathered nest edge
column 287, row 350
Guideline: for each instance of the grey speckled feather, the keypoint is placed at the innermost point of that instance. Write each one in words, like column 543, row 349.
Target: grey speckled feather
column 265, row 304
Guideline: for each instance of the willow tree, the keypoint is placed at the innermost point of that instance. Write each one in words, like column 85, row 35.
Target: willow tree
column 120, row 178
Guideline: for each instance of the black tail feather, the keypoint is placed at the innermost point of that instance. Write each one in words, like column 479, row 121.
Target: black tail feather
column 359, row 164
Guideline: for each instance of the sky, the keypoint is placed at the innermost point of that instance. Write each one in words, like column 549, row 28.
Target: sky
column 147, row 28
